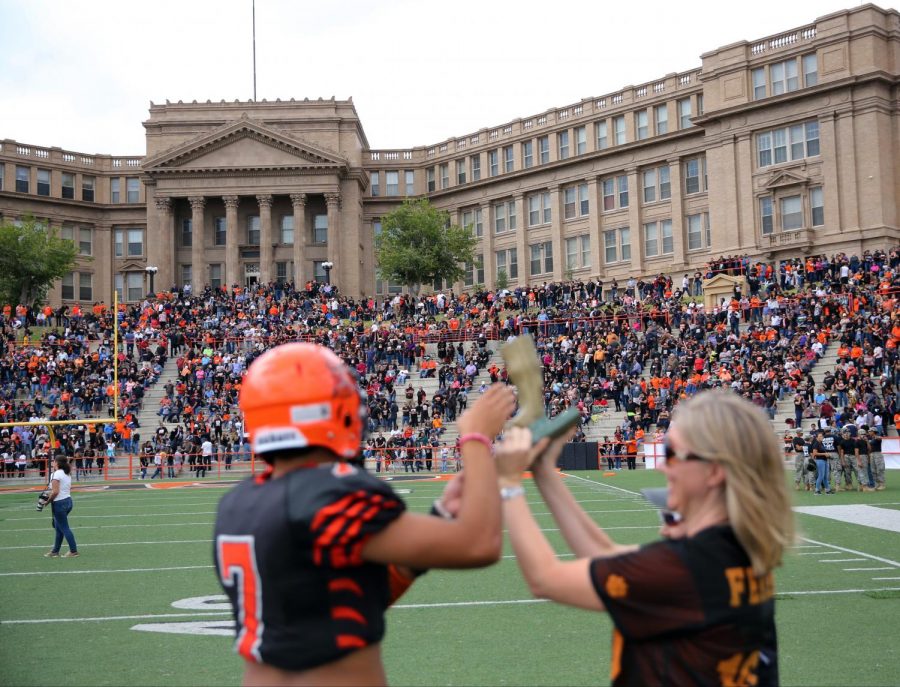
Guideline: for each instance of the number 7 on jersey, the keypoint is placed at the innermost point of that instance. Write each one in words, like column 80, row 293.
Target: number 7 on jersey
column 237, row 565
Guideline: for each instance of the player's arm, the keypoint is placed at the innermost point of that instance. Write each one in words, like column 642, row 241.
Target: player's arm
column 585, row 538
column 547, row 577
column 473, row 538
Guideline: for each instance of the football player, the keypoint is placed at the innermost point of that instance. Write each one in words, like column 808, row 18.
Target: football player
column 313, row 551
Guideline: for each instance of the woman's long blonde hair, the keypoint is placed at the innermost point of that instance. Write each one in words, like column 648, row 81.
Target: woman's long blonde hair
column 725, row 428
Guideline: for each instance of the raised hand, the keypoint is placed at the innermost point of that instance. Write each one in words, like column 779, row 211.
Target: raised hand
column 489, row 413
column 546, row 459
column 514, row 453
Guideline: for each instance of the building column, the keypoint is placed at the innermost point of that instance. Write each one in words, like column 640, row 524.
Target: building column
column 634, row 222
column 333, row 200
column 522, row 242
column 231, row 240
column 198, row 232
column 265, row 238
column 556, row 232
column 487, row 245
column 598, row 265
column 678, row 238
column 299, row 202
column 161, row 250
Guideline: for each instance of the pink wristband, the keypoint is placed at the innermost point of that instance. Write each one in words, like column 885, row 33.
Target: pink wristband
column 480, row 438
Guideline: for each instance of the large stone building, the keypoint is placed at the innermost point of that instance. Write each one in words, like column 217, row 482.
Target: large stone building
column 780, row 146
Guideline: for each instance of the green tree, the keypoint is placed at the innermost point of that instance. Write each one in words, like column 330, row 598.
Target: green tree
column 31, row 259
column 502, row 280
column 419, row 245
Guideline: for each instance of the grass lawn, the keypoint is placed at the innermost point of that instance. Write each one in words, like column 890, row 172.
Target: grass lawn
column 135, row 607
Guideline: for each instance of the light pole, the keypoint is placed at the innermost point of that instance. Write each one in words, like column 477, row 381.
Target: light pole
column 327, row 267
column 151, row 271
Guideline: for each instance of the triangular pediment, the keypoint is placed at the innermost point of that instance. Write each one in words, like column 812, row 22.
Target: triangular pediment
column 130, row 266
column 244, row 144
column 720, row 281
column 785, row 178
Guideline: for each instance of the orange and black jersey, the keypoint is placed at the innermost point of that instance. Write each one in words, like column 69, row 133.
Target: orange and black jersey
column 288, row 553
column 689, row 612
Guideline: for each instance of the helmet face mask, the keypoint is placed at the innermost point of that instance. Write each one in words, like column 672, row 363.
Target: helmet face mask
column 301, row 395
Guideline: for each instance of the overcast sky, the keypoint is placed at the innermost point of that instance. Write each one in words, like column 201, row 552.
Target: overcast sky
column 81, row 74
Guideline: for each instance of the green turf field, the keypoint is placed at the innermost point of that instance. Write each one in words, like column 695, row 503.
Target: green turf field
column 127, row 611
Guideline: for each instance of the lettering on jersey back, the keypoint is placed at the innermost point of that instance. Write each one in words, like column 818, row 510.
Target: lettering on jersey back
column 747, row 588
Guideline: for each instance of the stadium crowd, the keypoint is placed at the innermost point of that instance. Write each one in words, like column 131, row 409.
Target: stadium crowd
column 638, row 347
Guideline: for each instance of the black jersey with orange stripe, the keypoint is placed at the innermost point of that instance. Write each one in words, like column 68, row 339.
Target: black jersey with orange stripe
column 288, row 553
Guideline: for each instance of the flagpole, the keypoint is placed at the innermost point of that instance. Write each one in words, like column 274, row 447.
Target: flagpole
column 254, row 50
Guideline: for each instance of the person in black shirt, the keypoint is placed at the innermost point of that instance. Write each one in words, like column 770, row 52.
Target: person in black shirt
column 820, row 455
column 698, row 607
column 313, row 551
column 801, row 456
column 876, row 459
column 863, row 461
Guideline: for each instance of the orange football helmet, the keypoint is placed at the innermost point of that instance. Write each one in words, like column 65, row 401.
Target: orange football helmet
column 301, row 394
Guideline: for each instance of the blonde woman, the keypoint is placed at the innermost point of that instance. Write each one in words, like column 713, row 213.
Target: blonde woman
column 696, row 607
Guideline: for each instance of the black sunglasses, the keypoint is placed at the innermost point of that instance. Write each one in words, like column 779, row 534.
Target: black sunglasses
column 671, row 455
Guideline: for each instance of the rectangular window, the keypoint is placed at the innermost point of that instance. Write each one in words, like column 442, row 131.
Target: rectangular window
column 475, row 161
column 817, row 206
column 758, row 77
column 119, row 240
column 460, row 172
column 810, row 70
column 68, row 286
column 23, row 179
column 625, row 242
column 219, row 230
column 542, row 258
column 507, row 261
column 544, row 149
column 649, row 185
column 584, row 204
column 539, row 210
column 132, row 189
column 569, row 203
column 619, row 129
column 479, row 224
column 479, row 268
column 444, row 170
column 602, row 135
column 665, row 232
column 793, row 142
column 85, row 286
column 784, row 77
column 661, row 115
column 508, row 161
column 85, row 241
column 392, row 183
column 622, row 187
column 562, row 140
column 500, row 218
column 43, row 182
column 791, row 213
column 493, row 162
column 115, row 195
column 68, row 185
column 410, row 180
column 320, row 229
column 468, row 274
column 135, row 243
column 684, row 113
column 609, row 245
column 609, row 194
column 253, row 230
column 87, row 188
column 186, row 233
column 695, row 232
column 695, row 175
column 287, row 229
column 665, row 183
column 651, row 240
column 572, row 253
column 527, row 154
column 134, row 282
column 215, row 276
column 580, row 140
column 319, row 271
column 641, row 125
column 511, row 214
column 429, row 179
column 281, row 272
column 187, row 275
column 766, row 215
column 375, row 178
column 2, row 174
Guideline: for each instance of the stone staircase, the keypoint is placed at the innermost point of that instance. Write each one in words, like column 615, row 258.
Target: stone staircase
column 785, row 408
column 147, row 418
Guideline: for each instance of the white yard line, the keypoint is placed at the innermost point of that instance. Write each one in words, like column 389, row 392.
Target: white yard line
column 97, row 572
column 77, row 517
column 841, row 560
column 106, row 527
column 602, row 484
column 854, row 552
column 886, row 578
column 866, row 569
column 449, row 604
column 117, row 543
